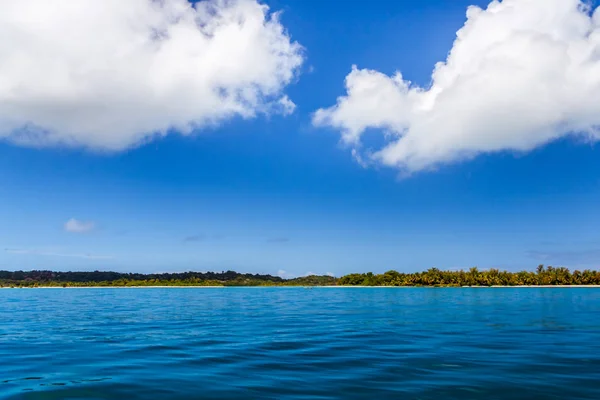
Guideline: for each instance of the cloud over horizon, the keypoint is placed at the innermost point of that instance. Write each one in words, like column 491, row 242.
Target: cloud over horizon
column 520, row 74
column 110, row 75
column 77, row 226
column 572, row 257
column 37, row 252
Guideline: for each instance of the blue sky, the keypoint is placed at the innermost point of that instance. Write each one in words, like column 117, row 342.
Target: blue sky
column 275, row 192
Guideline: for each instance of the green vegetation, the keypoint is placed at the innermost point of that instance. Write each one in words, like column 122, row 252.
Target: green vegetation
column 116, row 279
column 474, row 277
column 431, row 277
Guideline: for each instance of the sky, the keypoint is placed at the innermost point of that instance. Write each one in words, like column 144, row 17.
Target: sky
column 296, row 137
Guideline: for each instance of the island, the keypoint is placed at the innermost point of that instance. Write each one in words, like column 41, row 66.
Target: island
column 433, row 277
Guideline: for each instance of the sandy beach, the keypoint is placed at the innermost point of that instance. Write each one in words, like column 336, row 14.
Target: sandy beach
column 315, row 287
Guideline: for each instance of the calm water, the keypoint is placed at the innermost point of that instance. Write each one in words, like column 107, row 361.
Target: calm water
column 295, row 343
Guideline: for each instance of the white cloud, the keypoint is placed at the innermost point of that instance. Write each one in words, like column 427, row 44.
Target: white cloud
column 310, row 273
column 286, row 105
column 77, row 226
column 284, row 274
column 111, row 74
column 520, row 74
column 57, row 254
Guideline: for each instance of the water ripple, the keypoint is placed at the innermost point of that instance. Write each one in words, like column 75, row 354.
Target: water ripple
column 283, row 343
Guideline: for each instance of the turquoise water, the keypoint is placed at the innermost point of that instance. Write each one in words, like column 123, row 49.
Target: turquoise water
column 295, row 343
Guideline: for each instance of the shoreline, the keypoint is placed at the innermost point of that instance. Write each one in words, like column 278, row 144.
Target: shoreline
column 317, row 287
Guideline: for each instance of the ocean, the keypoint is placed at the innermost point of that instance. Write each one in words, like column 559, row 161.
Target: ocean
column 298, row 343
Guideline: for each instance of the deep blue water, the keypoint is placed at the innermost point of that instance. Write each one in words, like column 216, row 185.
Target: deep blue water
column 295, row 343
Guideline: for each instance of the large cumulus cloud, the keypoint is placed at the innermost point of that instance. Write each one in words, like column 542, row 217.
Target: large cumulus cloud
column 520, row 74
column 109, row 74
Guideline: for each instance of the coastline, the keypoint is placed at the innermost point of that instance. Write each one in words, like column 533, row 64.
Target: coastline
column 317, row 287
column 542, row 277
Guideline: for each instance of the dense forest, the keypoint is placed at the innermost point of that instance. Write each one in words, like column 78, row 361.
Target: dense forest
column 432, row 277
column 475, row 277
column 100, row 278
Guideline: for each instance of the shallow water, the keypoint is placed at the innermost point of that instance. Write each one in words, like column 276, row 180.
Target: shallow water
column 295, row 343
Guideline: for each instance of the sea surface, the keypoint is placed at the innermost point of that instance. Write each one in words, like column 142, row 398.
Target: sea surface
column 297, row 343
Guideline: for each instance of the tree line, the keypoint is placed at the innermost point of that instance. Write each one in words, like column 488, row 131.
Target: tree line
column 432, row 277
column 117, row 279
column 474, row 277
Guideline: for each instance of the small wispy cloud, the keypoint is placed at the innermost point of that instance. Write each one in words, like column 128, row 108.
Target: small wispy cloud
column 310, row 273
column 194, row 238
column 202, row 237
column 278, row 239
column 359, row 159
column 77, row 226
column 286, row 105
column 583, row 256
column 284, row 274
column 57, row 254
